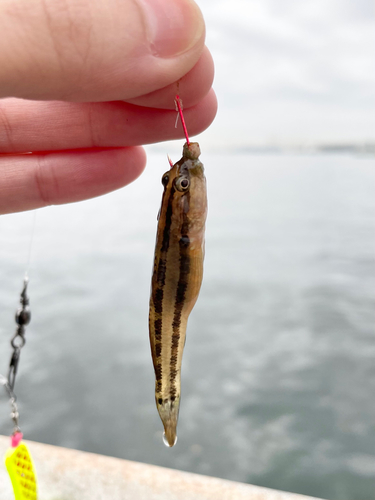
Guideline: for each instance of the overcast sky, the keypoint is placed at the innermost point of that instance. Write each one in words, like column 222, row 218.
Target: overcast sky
column 292, row 71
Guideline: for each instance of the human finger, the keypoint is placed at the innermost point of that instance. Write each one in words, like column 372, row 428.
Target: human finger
column 47, row 126
column 192, row 87
column 96, row 51
column 36, row 180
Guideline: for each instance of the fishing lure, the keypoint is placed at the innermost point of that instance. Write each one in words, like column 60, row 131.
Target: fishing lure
column 177, row 276
column 21, row 470
column 18, row 460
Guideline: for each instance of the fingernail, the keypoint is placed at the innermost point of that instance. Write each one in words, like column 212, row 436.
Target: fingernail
column 172, row 26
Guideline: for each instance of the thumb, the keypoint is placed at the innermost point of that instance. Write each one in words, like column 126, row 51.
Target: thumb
column 95, row 50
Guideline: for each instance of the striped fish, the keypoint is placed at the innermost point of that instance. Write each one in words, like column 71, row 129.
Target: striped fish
column 177, row 278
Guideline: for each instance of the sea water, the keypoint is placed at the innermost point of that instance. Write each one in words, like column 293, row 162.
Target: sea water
column 278, row 369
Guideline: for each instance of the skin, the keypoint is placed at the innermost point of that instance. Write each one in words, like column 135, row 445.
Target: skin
column 83, row 84
column 177, row 278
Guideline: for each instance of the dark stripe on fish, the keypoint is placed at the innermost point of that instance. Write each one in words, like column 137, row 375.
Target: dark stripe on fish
column 182, row 285
column 168, row 222
column 159, row 293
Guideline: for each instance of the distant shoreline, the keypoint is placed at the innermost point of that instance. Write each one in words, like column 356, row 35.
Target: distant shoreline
column 361, row 149
column 358, row 149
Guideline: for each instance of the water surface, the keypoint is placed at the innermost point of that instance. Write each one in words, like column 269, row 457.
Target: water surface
column 278, row 370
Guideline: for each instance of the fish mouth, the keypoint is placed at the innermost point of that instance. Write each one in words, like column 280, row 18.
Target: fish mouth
column 168, row 411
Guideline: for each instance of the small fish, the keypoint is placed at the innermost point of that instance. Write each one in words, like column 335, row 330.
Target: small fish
column 177, row 278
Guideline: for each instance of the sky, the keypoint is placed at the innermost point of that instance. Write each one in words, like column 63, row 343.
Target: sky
column 292, row 72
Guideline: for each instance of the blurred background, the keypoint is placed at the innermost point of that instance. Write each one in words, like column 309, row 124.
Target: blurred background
column 278, row 372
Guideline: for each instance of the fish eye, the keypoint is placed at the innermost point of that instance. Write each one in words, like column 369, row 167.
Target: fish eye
column 160, row 401
column 165, row 179
column 182, row 184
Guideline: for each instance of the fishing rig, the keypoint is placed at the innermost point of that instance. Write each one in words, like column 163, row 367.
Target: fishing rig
column 18, row 460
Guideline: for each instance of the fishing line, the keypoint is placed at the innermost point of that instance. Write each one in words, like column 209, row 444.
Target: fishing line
column 33, row 224
column 179, row 108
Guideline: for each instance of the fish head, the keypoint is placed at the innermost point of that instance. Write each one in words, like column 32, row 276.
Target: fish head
column 185, row 189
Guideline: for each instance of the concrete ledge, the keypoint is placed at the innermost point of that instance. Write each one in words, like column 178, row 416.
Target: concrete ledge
column 65, row 474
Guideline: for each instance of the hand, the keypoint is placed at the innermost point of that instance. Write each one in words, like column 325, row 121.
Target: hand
column 90, row 81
